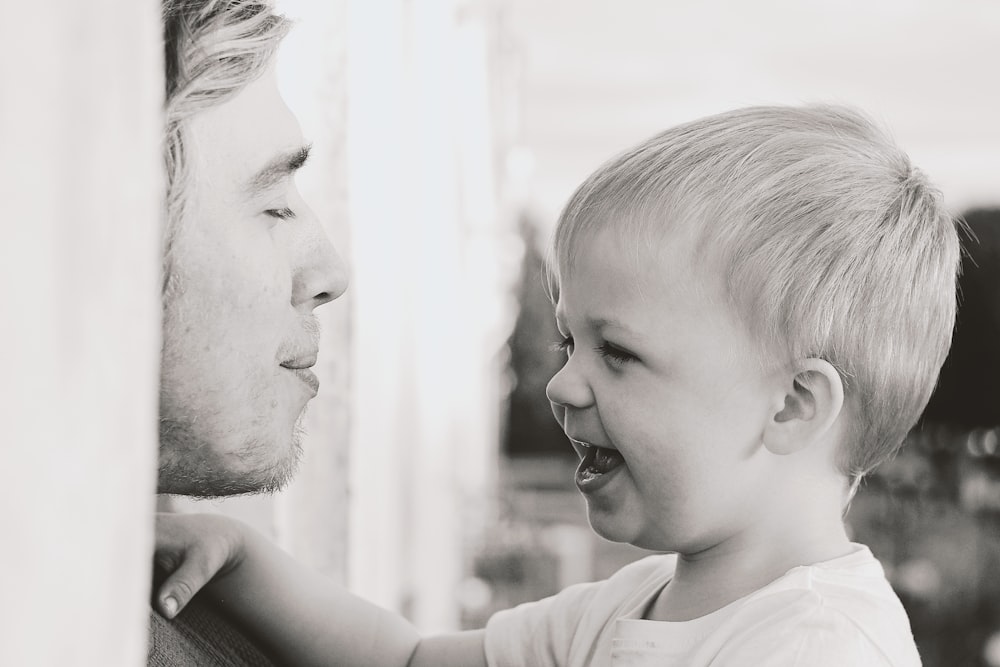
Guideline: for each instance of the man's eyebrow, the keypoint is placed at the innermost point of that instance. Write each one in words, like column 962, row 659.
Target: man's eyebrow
column 277, row 169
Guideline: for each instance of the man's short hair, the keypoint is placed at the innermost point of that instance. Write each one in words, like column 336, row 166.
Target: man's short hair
column 213, row 49
column 830, row 244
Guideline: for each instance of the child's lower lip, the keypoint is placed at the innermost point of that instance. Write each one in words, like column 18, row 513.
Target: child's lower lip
column 587, row 482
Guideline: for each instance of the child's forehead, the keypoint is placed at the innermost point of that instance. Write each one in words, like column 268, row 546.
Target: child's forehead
column 607, row 282
column 658, row 255
column 655, row 289
column 664, row 265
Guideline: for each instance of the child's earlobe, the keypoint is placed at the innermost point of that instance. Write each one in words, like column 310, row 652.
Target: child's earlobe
column 811, row 406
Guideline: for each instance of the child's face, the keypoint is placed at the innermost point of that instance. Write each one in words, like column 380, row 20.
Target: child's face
column 662, row 377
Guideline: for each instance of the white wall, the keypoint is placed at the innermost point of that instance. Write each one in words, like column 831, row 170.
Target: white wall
column 429, row 296
column 81, row 185
column 597, row 77
column 312, row 515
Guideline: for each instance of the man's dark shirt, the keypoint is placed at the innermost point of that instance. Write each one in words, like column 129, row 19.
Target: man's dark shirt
column 200, row 636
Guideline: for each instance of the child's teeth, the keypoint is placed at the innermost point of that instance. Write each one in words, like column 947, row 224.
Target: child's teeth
column 605, row 460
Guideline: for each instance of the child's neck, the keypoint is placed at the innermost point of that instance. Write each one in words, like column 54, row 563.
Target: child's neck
column 708, row 580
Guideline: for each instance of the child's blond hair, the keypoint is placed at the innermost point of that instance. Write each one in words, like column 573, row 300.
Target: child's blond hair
column 832, row 245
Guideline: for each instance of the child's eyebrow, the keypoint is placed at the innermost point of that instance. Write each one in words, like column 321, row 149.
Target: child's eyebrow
column 601, row 323
column 604, row 322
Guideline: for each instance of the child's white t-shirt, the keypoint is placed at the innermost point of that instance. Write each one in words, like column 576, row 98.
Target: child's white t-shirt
column 836, row 613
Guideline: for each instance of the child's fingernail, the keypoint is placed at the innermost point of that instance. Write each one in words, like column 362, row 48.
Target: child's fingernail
column 170, row 606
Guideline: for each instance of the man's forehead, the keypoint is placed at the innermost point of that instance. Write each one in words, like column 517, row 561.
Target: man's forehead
column 251, row 138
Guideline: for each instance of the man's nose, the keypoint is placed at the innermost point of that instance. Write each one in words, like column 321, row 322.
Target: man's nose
column 319, row 274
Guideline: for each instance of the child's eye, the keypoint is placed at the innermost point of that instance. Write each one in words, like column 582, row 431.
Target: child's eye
column 281, row 213
column 564, row 345
column 615, row 355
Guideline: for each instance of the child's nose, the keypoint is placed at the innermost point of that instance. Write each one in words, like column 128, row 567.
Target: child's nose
column 567, row 389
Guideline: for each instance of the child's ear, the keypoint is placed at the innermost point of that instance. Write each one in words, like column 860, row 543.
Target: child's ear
column 811, row 406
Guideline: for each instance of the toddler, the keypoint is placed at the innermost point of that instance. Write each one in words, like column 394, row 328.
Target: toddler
column 754, row 309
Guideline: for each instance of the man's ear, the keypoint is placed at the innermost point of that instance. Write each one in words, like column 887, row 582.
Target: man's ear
column 811, row 406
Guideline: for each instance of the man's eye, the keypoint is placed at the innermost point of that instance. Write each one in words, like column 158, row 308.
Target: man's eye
column 615, row 355
column 281, row 213
column 564, row 345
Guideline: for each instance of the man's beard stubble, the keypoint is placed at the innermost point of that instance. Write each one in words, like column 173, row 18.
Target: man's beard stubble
column 190, row 466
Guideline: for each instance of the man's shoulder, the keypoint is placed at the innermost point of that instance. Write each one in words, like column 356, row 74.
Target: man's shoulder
column 200, row 636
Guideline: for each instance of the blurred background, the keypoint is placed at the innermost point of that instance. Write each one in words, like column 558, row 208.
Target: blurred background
column 447, row 136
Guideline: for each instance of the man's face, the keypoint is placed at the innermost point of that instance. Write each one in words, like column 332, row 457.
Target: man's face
column 250, row 262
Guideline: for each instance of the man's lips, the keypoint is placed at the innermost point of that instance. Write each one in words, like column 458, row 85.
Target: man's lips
column 300, row 367
column 300, row 362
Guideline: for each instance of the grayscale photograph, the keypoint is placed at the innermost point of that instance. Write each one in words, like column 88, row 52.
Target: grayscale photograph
column 500, row 333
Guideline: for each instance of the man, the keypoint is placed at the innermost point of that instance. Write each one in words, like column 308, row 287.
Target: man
column 246, row 262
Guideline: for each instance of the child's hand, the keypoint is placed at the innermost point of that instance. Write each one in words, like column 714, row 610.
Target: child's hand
column 194, row 548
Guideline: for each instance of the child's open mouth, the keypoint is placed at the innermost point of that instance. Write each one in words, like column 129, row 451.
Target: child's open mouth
column 596, row 466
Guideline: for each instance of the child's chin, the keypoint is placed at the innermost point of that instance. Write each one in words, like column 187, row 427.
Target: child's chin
column 612, row 528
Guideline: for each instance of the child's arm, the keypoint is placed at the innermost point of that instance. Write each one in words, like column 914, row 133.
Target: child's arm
column 300, row 616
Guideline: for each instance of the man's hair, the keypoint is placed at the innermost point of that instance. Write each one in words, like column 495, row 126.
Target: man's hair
column 830, row 245
column 213, row 49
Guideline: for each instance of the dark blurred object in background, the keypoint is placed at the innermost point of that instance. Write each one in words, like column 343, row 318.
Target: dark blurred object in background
column 968, row 392
column 530, row 429
column 932, row 514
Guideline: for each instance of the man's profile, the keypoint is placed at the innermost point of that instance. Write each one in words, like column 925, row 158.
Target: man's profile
column 245, row 264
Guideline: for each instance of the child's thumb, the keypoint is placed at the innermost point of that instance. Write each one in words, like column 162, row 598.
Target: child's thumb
column 180, row 587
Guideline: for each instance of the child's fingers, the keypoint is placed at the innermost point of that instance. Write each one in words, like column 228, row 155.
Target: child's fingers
column 196, row 570
column 193, row 549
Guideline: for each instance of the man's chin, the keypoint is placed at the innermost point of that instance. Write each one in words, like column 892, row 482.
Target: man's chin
column 222, row 484
column 190, row 467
